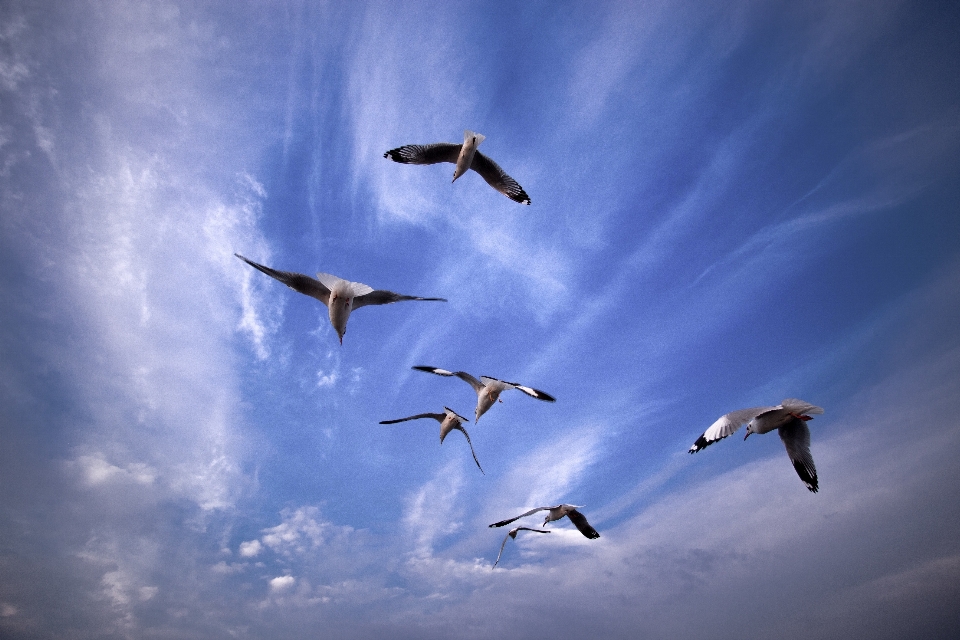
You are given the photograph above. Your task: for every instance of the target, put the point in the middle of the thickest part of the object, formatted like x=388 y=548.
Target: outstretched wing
x=436 y=416
x=463 y=375
x=513 y=534
x=534 y=393
x=467 y=436
x=727 y=425
x=297 y=281
x=796 y=438
x=580 y=522
x=800 y=407
x=425 y=153
x=498 y=178
x=381 y=296
x=522 y=515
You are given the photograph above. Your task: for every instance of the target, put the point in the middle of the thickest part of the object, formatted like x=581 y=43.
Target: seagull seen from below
x=464 y=156
x=341 y=296
x=488 y=389
x=513 y=534
x=789 y=418
x=557 y=512
x=449 y=420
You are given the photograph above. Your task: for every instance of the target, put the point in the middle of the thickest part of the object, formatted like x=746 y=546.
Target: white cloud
x=282 y=583
x=548 y=474
x=433 y=511
x=250 y=549
x=95 y=470
x=301 y=531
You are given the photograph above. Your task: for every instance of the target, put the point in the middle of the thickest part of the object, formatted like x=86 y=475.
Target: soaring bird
x=449 y=420
x=465 y=156
x=513 y=534
x=557 y=512
x=789 y=418
x=341 y=296
x=488 y=389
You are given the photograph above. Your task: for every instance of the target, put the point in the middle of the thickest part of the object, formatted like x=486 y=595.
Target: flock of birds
x=341 y=297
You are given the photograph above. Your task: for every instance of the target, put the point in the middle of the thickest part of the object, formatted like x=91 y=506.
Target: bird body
x=465 y=156
x=789 y=418
x=468 y=150
x=557 y=512
x=488 y=389
x=449 y=420
x=340 y=296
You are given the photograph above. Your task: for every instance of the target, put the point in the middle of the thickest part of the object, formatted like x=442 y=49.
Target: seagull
x=488 y=389
x=557 y=512
x=513 y=534
x=341 y=296
x=789 y=418
x=465 y=156
x=449 y=420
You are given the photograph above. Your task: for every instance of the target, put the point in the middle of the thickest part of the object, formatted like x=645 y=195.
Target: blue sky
x=732 y=203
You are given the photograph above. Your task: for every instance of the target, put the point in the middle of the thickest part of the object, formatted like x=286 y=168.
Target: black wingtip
x=808 y=479
x=698 y=445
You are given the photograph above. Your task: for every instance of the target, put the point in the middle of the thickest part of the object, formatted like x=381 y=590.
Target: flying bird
x=488 y=389
x=449 y=420
x=513 y=534
x=465 y=156
x=789 y=418
x=557 y=512
x=341 y=296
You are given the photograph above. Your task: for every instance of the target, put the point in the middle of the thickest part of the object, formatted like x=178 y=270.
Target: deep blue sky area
x=733 y=203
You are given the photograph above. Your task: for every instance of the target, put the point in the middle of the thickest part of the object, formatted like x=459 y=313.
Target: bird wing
x=522 y=515
x=463 y=375
x=580 y=522
x=513 y=534
x=467 y=436
x=503 y=544
x=796 y=438
x=498 y=178
x=800 y=407
x=425 y=153
x=436 y=416
x=534 y=393
x=297 y=281
x=727 y=425
x=382 y=296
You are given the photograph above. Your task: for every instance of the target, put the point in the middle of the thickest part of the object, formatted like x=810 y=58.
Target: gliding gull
x=557 y=512
x=789 y=418
x=488 y=389
x=341 y=296
x=449 y=420
x=513 y=534
x=465 y=156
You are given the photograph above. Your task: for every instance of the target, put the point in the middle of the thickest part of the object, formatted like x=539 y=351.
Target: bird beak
x=747 y=436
